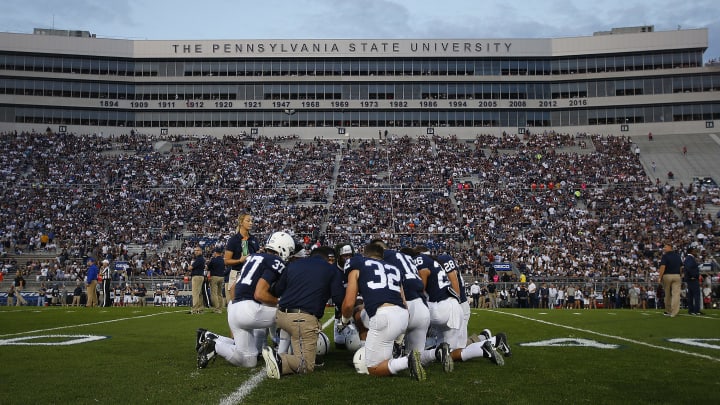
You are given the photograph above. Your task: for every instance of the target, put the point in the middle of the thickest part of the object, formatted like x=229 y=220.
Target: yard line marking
x=248 y=386
x=90 y=324
x=638 y=342
x=245 y=389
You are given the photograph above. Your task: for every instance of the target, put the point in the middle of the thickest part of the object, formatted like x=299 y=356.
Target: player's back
x=256 y=266
x=378 y=282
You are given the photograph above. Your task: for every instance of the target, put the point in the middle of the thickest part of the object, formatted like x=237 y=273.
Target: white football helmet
x=359 y=361
x=323 y=344
x=282 y=244
x=352 y=338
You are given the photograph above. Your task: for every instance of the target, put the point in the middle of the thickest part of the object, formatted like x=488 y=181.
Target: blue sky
x=357 y=19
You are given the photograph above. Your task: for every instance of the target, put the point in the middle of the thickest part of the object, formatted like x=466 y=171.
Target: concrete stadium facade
x=626 y=81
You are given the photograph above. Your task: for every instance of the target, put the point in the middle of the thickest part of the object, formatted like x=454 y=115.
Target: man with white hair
x=106 y=283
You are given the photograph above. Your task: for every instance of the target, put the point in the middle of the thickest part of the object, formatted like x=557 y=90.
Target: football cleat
x=206 y=352
x=493 y=354
x=199 y=338
x=502 y=345
x=397 y=350
x=442 y=354
x=417 y=372
x=486 y=333
x=273 y=363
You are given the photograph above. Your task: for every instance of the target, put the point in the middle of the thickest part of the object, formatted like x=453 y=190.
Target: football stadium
x=549 y=169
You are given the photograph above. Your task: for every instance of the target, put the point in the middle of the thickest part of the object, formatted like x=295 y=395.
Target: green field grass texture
x=146 y=355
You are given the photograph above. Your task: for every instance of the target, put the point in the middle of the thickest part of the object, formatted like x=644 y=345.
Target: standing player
x=158 y=296
x=380 y=284
x=171 y=299
x=252 y=310
x=117 y=300
x=127 y=295
x=304 y=289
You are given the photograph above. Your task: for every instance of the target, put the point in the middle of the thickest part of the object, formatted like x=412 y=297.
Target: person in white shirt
x=552 y=296
x=651 y=298
x=475 y=293
x=560 y=298
x=578 y=298
x=533 y=293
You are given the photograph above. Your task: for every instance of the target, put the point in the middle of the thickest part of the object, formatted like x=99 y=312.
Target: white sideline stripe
x=248 y=386
x=89 y=324
x=637 y=342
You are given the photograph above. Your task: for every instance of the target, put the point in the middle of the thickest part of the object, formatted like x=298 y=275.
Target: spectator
x=42 y=291
x=19 y=284
x=11 y=295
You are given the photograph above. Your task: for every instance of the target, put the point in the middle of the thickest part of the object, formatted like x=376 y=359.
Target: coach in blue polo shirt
x=91 y=282
x=669 y=272
x=304 y=288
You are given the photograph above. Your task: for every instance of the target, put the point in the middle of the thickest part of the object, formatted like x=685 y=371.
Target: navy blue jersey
x=258 y=265
x=449 y=265
x=216 y=266
x=411 y=281
x=197 y=268
x=308 y=283
x=692 y=268
x=241 y=247
x=672 y=262
x=438 y=281
x=379 y=282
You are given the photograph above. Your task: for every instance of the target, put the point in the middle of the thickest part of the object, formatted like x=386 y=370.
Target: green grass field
x=148 y=356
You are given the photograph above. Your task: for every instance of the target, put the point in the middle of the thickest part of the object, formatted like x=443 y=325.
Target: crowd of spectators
x=554 y=205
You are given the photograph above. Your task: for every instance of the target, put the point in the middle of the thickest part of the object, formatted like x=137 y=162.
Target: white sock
x=472 y=351
x=224 y=340
x=397 y=365
x=427 y=356
x=284 y=344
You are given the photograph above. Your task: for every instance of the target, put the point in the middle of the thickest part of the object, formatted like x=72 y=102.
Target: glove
x=344 y=322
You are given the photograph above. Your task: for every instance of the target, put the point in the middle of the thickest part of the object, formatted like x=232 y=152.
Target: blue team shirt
x=235 y=245
x=438 y=281
x=257 y=266
x=92 y=273
x=308 y=283
x=411 y=281
x=379 y=282
x=449 y=265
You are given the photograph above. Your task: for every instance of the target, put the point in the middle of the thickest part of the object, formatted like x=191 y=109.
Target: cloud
x=357 y=19
x=23 y=16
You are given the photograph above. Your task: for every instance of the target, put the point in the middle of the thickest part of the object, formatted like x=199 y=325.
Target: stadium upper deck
x=630 y=80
